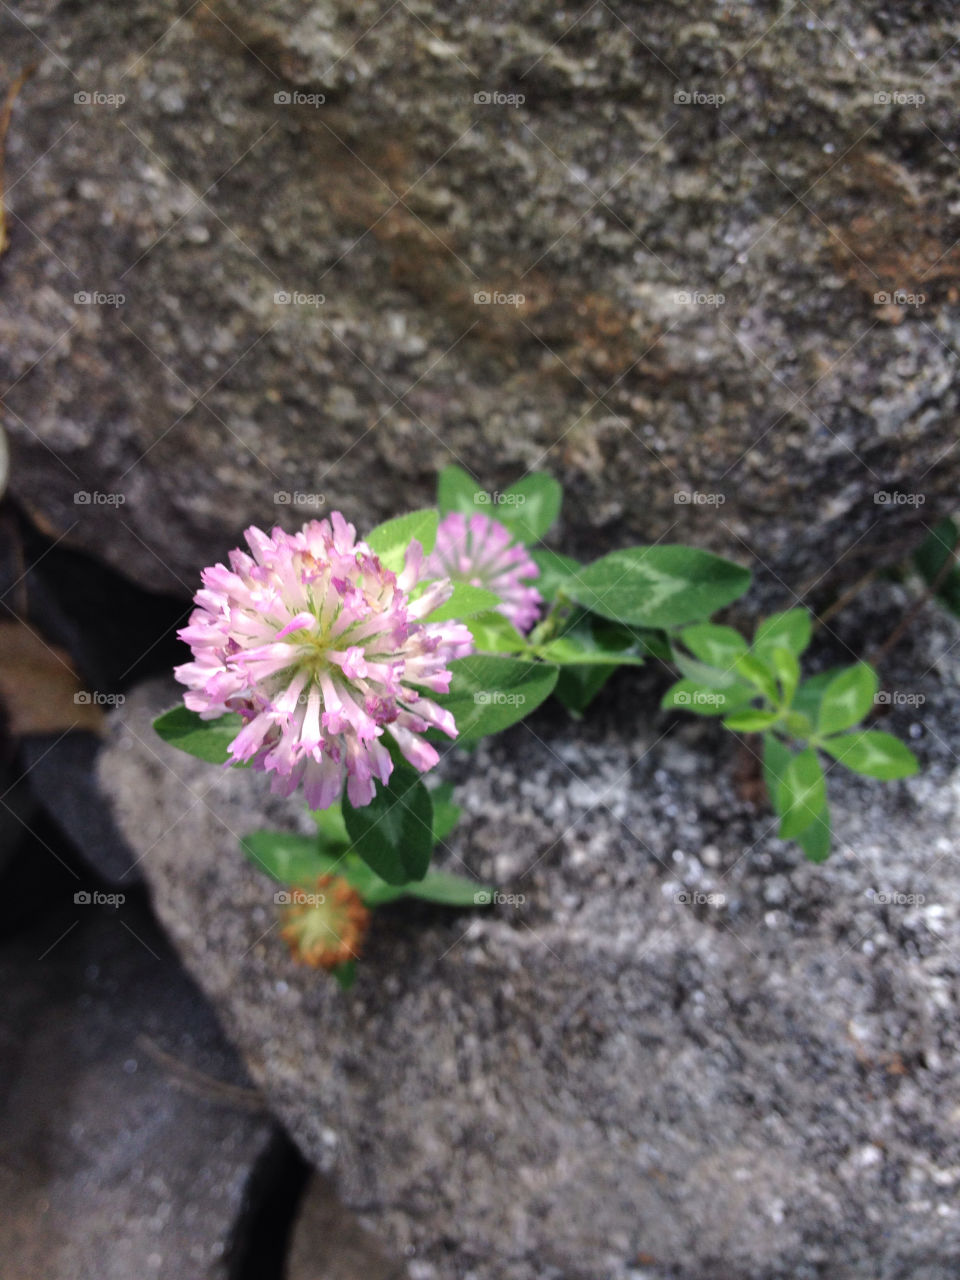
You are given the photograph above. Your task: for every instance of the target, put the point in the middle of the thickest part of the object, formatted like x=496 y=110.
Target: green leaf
x=449 y=890
x=751 y=668
x=493 y=633
x=206 y=739
x=716 y=646
x=787 y=670
x=465 y=602
x=687 y=695
x=457 y=491
x=489 y=693
x=394 y=833
x=577 y=686
x=529 y=507
x=331 y=826
x=701 y=673
x=814 y=840
x=751 y=720
x=289 y=858
x=659 y=586
x=802 y=793
x=446 y=814
x=809 y=695
x=847 y=698
x=776 y=759
x=555 y=570
x=391 y=539
x=874 y=753
x=791 y=630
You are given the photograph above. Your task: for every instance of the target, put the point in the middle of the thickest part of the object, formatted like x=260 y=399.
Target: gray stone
x=623 y=1075
x=61 y=772
x=131 y=1138
x=610 y=193
x=328 y=1244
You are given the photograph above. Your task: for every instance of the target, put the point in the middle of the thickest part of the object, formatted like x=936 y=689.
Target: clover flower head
x=326 y=927
x=322 y=650
x=482 y=552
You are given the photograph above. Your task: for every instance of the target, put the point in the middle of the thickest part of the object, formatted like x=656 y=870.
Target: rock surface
x=621 y=1075
x=618 y=188
x=130 y=1137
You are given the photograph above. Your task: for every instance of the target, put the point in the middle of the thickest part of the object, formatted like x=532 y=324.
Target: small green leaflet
x=493 y=633
x=658 y=586
x=792 y=630
x=465 y=602
x=457 y=491
x=847 y=699
x=391 y=539
x=802 y=793
x=714 y=645
x=529 y=507
x=206 y=739
x=873 y=753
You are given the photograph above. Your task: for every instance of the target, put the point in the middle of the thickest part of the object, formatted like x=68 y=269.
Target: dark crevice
x=262 y=1241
